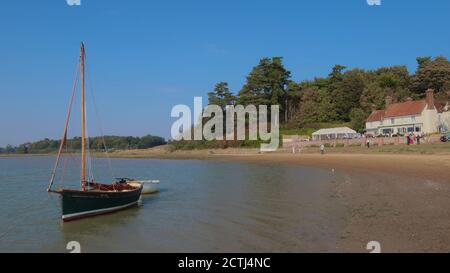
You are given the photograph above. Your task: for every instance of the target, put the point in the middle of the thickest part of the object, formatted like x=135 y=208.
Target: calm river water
x=203 y=206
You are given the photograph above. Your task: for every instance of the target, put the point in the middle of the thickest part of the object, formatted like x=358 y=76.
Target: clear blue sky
x=146 y=56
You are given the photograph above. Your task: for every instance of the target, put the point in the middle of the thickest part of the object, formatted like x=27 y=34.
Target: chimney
x=409 y=99
x=430 y=99
x=373 y=107
x=388 y=101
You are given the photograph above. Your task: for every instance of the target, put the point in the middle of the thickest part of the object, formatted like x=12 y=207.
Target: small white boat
x=149 y=186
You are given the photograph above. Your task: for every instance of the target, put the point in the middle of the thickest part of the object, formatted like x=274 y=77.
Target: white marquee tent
x=334 y=133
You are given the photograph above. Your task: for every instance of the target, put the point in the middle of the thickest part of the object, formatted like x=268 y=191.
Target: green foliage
x=149 y=141
x=95 y=144
x=358 y=119
x=343 y=97
x=214 y=144
x=310 y=128
x=304 y=131
x=221 y=95
x=309 y=110
x=266 y=84
x=346 y=93
x=10 y=149
x=433 y=74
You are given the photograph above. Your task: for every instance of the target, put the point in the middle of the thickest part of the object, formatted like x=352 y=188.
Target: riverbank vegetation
x=345 y=97
x=95 y=144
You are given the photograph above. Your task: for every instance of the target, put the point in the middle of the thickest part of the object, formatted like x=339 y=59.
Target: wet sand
x=435 y=167
x=401 y=201
x=403 y=213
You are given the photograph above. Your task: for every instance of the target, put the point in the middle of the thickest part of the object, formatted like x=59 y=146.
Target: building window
x=417 y=129
x=413 y=118
x=392 y=120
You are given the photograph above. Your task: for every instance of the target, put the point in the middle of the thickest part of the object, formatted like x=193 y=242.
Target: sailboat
x=92 y=198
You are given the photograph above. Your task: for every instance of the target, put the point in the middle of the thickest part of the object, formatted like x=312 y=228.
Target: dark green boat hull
x=81 y=204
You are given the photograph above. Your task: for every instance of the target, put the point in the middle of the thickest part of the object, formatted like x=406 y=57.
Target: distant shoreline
x=431 y=161
x=23 y=155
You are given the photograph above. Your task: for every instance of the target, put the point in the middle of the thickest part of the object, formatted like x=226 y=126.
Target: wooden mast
x=83 y=122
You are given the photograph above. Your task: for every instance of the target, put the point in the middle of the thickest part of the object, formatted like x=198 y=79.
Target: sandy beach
x=399 y=200
x=414 y=163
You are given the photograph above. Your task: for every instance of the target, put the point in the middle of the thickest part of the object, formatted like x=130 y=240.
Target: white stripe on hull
x=96 y=212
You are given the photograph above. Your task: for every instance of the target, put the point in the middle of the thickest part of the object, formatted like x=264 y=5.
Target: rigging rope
x=89 y=156
x=64 y=137
x=99 y=121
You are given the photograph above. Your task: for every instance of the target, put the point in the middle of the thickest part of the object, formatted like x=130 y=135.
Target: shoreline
x=396 y=200
x=431 y=167
x=417 y=165
x=399 y=200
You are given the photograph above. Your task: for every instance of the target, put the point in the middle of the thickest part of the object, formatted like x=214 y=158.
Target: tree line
x=344 y=96
x=95 y=144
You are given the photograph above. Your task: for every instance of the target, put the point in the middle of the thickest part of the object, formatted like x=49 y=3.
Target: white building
x=444 y=117
x=334 y=133
x=422 y=116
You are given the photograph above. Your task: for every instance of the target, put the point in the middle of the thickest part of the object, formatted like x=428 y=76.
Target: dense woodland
x=345 y=97
x=95 y=144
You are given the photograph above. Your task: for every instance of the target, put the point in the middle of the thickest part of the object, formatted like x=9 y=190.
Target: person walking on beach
x=368 y=143
x=322 y=149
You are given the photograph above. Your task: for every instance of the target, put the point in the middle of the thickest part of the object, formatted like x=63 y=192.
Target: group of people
x=412 y=138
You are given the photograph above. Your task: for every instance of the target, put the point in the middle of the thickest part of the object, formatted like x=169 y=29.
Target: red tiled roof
x=376 y=116
x=398 y=109
x=405 y=108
